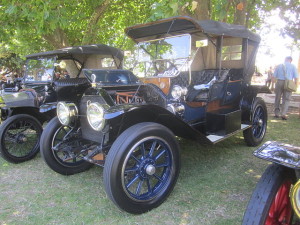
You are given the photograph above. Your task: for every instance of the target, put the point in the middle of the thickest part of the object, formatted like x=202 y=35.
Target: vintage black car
x=50 y=76
x=11 y=85
x=196 y=85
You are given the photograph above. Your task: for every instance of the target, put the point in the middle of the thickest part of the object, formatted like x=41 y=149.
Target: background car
x=275 y=199
x=24 y=112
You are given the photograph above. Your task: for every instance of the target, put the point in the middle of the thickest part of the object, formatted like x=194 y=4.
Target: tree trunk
x=240 y=12
x=88 y=37
x=201 y=12
x=57 y=39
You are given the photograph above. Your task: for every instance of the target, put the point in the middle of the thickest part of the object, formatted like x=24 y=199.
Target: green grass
x=214 y=187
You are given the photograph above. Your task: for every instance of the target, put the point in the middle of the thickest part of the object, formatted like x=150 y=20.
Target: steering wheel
x=170 y=68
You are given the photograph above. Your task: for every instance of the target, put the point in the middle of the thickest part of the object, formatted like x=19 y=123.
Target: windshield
x=38 y=70
x=163 y=57
x=111 y=77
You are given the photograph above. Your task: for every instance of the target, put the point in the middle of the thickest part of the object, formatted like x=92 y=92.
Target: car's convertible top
x=99 y=49
x=184 y=24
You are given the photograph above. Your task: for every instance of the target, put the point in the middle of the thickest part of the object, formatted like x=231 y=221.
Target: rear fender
x=249 y=96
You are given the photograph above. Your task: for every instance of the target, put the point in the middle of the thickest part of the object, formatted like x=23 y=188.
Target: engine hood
x=24 y=98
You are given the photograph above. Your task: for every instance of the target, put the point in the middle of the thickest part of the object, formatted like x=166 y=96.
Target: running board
x=216 y=138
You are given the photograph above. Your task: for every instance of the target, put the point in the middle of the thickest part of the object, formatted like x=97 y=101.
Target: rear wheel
x=256 y=133
x=142 y=167
x=20 y=138
x=270 y=203
x=61 y=161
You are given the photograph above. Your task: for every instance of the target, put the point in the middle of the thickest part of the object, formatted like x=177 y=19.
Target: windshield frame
x=154 y=59
x=39 y=58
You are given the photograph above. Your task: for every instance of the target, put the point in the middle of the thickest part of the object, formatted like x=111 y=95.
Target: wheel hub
x=260 y=122
x=21 y=138
x=150 y=170
x=147 y=168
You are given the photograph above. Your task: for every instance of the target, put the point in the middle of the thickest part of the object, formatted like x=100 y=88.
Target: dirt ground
x=294 y=106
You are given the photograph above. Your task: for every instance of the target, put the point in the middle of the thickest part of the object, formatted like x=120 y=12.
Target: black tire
x=136 y=176
x=20 y=138
x=53 y=133
x=259 y=117
x=276 y=179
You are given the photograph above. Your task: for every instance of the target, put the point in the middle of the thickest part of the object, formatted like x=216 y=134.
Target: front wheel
x=256 y=133
x=61 y=161
x=270 y=203
x=142 y=167
x=20 y=138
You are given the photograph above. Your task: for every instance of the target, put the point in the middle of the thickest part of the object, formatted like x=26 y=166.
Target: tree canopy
x=28 y=26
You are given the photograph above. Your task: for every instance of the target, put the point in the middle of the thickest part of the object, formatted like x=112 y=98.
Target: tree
x=31 y=26
x=28 y=26
x=10 y=62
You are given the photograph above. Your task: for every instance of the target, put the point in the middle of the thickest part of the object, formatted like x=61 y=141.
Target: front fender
x=152 y=113
x=47 y=107
x=121 y=117
x=20 y=99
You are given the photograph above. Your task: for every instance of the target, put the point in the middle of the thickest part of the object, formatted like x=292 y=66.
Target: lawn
x=214 y=187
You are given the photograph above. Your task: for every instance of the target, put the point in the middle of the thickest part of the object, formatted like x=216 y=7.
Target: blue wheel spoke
x=138 y=182
x=132 y=181
x=152 y=148
x=160 y=154
x=149 y=186
x=158 y=178
x=136 y=159
x=162 y=165
x=132 y=169
x=260 y=115
x=143 y=149
x=139 y=187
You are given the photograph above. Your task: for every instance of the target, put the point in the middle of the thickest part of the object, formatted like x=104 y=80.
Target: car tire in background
x=270 y=202
x=254 y=135
x=20 y=138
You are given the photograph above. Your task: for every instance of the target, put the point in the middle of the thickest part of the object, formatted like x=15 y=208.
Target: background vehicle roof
x=97 y=49
x=184 y=24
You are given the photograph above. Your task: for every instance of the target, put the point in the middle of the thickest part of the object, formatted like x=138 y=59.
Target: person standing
x=270 y=77
x=282 y=72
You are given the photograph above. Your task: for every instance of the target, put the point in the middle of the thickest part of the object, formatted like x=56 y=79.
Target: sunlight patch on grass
x=275 y=121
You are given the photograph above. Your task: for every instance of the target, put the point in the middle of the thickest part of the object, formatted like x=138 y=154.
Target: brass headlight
x=66 y=112
x=95 y=116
